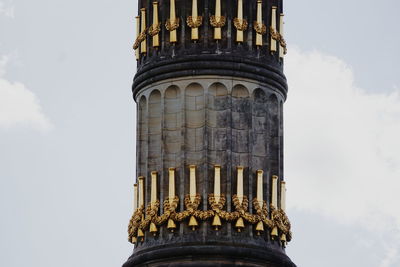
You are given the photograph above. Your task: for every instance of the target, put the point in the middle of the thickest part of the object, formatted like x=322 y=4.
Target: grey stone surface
x=217 y=120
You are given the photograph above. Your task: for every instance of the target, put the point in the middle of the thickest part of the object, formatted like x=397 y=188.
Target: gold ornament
x=172 y=25
x=259 y=227
x=140 y=235
x=260 y=28
x=154 y=29
x=134 y=223
x=240 y=24
x=283 y=239
x=171 y=225
x=139 y=39
x=217 y=22
x=148 y=219
x=194 y=23
x=193 y=223
x=282 y=42
x=274 y=34
x=239 y=224
x=216 y=222
x=153 y=229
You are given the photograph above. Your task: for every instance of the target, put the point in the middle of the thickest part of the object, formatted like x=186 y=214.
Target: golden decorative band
x=272 y=218
x=143 y=218
x=217 y=21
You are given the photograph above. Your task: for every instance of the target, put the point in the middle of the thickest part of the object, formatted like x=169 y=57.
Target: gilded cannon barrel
x=210 y=91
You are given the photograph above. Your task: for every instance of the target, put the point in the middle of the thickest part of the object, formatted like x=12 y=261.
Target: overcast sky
x=67 y=132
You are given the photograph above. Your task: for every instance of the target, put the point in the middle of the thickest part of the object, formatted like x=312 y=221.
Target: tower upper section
x=241 y=38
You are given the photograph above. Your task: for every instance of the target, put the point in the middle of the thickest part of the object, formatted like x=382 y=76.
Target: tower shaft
x=210 y=91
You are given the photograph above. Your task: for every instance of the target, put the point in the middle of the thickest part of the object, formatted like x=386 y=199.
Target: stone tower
x=209 y=90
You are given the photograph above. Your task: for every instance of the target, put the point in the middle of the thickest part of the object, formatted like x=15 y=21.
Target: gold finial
x=260 y=184
x=171 y=185
x=274 y=34
x=274 y=198
x=240 y=23
x=283 y=195
x=192 y=184
x=239 y=188
x=172 y=23
x=136 y=44
x=282 y=43
x=217 y=21
x=194 y=21
x=155 y=28
x=274 y=203
x=217 y=182
x=141 y=191
x=259 y=27
x=143 y=47
x=283 y=208
x=135 y=197
x=153 y=193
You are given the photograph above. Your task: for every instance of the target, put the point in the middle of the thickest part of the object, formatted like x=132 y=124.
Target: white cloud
x=342 y=144
x=18 y=105
x=7 y=11
x=391 y=257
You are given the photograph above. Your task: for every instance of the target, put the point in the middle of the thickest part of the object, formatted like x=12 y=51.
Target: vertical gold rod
x=274 y=202
x=273 y=28
x=192 y=185
x=283 y=208
x=217 y=31
x=239 y=34
x=217 y=182
x=259 y=38
x=171 y=185
x=137 y=51
x=156 y=38
x=260 y=183
x=283 y=196
x=135 y=197
x=153 y=195
x=143 y=48
x=141 y=191
x=240 y=183
x=274 y=198
x=281 y=31
x=172 y=19
x=195 y=31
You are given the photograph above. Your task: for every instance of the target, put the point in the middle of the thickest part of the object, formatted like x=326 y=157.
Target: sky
x=67 y=132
